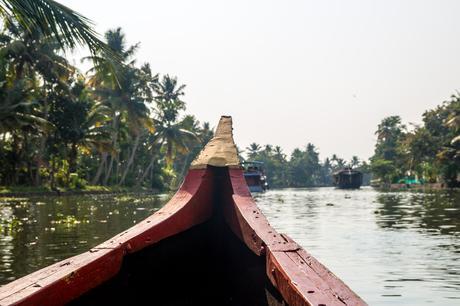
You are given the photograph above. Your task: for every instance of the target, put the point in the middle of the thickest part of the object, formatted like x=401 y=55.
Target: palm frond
x=54 y=19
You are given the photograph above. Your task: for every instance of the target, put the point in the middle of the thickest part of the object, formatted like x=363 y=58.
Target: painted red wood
x=70 y=278
x=299 y=277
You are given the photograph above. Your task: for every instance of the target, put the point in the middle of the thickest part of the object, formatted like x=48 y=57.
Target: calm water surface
x=392 y=248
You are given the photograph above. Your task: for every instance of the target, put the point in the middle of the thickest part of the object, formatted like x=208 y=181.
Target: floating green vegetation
x=11 y=199
x=22 y=189
x=68 y=220
x=9 y=226
x=125 y=198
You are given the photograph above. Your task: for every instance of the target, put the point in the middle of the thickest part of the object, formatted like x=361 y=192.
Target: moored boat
x=255 y=176
x=348 y=178
x=209 y=245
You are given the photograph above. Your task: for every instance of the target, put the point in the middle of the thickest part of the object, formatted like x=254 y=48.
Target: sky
x=293 y=72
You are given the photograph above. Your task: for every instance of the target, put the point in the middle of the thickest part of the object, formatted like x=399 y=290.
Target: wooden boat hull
x=209 y=245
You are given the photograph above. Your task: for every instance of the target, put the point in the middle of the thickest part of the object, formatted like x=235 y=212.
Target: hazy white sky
x=293 y=72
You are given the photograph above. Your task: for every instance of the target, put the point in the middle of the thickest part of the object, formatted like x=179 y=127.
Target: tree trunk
x=114 y=144
x=52 y=182
x=16 y=158
x=109 y=171
x=72 y=161
x=146 y=171
x=144 y=174
x=73 y=158
x=131 y=158
x=99 y=169
x=181 y=176
x=42 y=147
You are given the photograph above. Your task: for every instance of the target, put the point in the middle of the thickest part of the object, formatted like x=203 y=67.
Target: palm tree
x=171 y=132
x=168 y=98
x=32 y=60
x=140 y=84
x=68 y=27
x=268 y=150
x=337 y=162
x=175 y=135
x=80 y=123
x=354 y=161
x=206 y=133
x=253 y=150
x=29 y=51
x=175 y=138
x=279 y=155
x=125 y=96
x=16 y=110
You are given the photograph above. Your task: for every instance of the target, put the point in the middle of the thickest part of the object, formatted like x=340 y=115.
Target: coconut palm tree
x=173 y=135
x=354 y=162
x=80 y=123
x=279 y=155
x=125 y=96
x=18 y=111
x=29 y=52
x=168 y=98
x=32 y=62
x=141 y=86
x=68 y=27
x=253 y=150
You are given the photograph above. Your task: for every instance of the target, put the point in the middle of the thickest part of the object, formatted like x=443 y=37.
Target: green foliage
x=431 y=152
x=302 y=169
x=386 y=163
x=62 y=129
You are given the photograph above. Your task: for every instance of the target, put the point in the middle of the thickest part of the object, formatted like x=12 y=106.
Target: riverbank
x=414 y=187
x=17 y=191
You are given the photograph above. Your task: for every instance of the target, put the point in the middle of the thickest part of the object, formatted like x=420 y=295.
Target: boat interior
x=204 y=265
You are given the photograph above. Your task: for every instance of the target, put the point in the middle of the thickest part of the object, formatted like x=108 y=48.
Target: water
x=38 y=231
x=392 y=248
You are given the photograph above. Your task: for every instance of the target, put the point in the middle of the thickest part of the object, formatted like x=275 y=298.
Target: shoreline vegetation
x=414 y=156
x=413 y=187
x=425 y=156
x=116 y=125
x=121 y=125
x=20 y=191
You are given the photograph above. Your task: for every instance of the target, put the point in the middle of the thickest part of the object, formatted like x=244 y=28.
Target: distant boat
x=255 y=176
x=209 y=245
x=348 y=178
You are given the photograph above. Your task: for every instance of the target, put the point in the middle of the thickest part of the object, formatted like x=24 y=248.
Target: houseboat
x=255 y=176
x=348 y=178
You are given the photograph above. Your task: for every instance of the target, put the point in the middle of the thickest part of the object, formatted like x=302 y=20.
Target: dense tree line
x=122 y=124
x=117 y=124
x=302 y=169
x=429 y=152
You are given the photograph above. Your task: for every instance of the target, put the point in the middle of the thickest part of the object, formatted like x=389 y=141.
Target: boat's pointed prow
x=221 y=149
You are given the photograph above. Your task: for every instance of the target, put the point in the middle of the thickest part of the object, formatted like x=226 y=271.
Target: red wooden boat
x=209 y=245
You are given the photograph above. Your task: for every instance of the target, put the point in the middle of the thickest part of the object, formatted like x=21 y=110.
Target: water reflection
x=35 y=232
x=392 y=248
x=434 y=212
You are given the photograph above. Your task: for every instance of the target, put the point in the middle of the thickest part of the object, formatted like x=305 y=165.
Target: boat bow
x=214 y=185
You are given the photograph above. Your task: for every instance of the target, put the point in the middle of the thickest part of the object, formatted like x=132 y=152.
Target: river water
x=392 y=248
